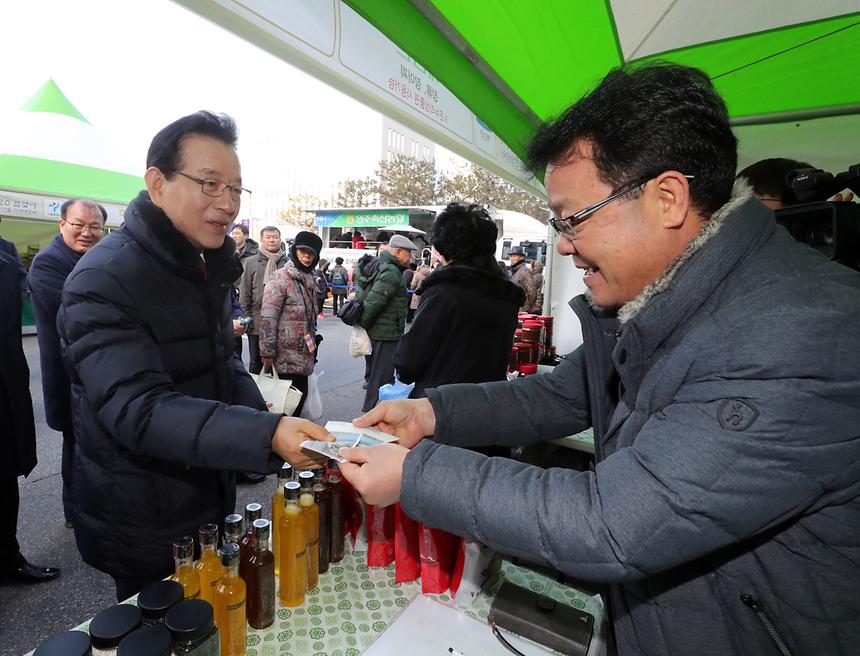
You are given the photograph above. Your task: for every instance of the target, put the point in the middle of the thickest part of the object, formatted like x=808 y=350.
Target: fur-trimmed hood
x=741 y=193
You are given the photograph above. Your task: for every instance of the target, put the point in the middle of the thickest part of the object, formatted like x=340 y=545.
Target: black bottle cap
x=233 y=527
x=157 y=598
x=252 y=511
x=333 y=466
x=113 y=624
x=319 y=475
x=190 y=620
x=229 y=553
x=148 y=641
x=69 y=643
x=286 y=472
x=291 y=490
x=306 y=479
x=261 y=530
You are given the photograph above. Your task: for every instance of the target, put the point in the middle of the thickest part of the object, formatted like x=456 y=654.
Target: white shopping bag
x=359 y=342
x=280 y=395
x=312 y=409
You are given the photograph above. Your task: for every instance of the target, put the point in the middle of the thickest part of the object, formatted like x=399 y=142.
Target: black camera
x=832 y=228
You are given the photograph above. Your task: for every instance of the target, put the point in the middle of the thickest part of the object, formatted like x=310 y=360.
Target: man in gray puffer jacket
x=720 y=371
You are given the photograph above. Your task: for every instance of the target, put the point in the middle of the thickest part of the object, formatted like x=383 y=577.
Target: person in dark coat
x=245 y=247
x=464 y=327
x=163 y=411
x=82 y=224
x=17 y=429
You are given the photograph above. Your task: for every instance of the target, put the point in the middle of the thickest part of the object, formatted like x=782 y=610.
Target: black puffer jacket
x=157 y=395
x=463 y=330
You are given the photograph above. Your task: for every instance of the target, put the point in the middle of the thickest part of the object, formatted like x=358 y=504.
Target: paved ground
x=29 y=614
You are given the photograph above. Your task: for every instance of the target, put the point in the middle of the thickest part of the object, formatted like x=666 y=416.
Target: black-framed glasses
x=214 y=188
x=568 y=224
x=95 y=229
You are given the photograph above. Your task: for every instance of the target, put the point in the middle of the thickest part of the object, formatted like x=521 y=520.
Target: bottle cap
x=333 y=466
x=261 y=530
x=229 y=553
x=306 y=478
x=252 y=511
x=291 y=490
x=148 y=641
x=113 y=624
x=190 y=620
x=183 y=547
x=285 y=473
x=68 y=643
x=157 y=598
x=232 y=527
x=209 y=534
x=319 y=475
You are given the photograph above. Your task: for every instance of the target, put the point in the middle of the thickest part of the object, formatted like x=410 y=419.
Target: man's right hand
x=290 y=434
x=409 y=419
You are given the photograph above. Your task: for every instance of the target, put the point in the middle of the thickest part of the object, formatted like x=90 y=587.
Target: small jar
x=527 y=369
x=547 y=322
x=533 y=332
x=513 y=359
x=149 y=641
x=192 y=628
x=69 y=643
x=110 y=626
x=528 y=353
x=156 y=599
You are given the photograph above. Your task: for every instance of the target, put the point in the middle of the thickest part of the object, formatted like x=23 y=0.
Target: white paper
x=344 y=430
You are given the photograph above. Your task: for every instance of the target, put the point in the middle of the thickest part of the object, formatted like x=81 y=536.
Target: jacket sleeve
x=118 y=365
x=738 y=451
x=509 y=413
x=419 y=346
x=245 y=294
x=275 y=296
x=378 y=297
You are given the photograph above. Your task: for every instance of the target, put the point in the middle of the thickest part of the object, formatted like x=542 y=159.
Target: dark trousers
x=9 y=548
x=131 y=585
x=301 y=384
x=381 y=371
x=66 y=469
x=237 y=347
x=255 y=364
x=367 y=360
x=336 y=301
x=320 y=303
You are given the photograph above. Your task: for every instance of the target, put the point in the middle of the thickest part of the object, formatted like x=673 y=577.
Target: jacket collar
x=487 y=284
x=389 y=257
x=155 y=233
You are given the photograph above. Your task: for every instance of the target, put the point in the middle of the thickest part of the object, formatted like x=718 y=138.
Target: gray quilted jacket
x=725 y=503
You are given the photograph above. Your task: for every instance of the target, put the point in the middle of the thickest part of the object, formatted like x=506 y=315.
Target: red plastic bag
x=407 y=560
x=380 y=535
x=438 y=550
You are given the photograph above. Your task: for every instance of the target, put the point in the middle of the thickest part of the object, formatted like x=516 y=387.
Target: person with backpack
x=339 y=284
x=321 y=283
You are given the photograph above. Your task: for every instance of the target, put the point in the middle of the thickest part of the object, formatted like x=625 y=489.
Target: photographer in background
x=770 y=183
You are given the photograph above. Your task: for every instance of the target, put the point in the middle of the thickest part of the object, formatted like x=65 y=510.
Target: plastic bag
x=395 y=390
x=313 y=409
x=380 y=535
x=407 y=561
x=476 y=569
x=439 y=551
x=359 y=342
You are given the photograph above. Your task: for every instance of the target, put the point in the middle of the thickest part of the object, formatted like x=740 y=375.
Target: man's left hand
x=238 y=328
x=288 y=438
x=376 y=472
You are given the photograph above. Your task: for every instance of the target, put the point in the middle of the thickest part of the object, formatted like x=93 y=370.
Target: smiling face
x=82 y=227
x=625 y=245
x=202 y=219
x=239 y=237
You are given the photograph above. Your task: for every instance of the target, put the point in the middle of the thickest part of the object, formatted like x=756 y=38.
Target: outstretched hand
x=290 y=434
x=376 y=472
x=408 y=419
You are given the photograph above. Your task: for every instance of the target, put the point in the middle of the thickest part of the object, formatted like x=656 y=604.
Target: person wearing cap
x=380 y=280
x=522 y=276
x=288 y=318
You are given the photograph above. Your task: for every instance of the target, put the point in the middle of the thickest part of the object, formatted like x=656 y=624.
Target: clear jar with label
x=192 y=628
x=110 y=626
x=68 y=643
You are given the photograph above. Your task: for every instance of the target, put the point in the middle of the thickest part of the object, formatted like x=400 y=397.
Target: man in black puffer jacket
x=162 y=409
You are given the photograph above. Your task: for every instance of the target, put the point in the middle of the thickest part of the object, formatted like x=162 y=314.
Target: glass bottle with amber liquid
x=232 y=528
x=260 y=578
x=229 y=603
x=293 y=544
x=208 y=566
x=285 y=475
x=311 y=512
x=338 y=513
x=322 y=496
x=183 y=559
x=247 y=545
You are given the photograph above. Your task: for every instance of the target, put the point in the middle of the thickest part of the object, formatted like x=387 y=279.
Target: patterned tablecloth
x=354 y=604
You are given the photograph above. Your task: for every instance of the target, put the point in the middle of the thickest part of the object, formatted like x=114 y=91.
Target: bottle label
x=300 y=554
x=237 y=606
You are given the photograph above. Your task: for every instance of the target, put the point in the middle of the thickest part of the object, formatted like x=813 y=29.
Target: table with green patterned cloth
x=583 y=441
x=353 y=604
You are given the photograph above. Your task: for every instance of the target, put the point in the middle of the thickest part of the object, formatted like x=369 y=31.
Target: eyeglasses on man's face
x=214 y=188
x=96 y=229
x=568 y=224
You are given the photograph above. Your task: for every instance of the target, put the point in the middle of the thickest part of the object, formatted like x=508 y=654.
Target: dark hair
x=270 y=229
x=64 y=208
x=644 y=120
x=383 y=237
x=241 y=227
x=165 y=149
x=462 y=232
x=338 y=260
x=768 y=178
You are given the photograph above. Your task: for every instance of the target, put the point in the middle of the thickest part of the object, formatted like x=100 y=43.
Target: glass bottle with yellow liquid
x=293 y=547
x=229 y=603
x=208 y=566
x=311 y=511
x=183 y=555
x=285 y=475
